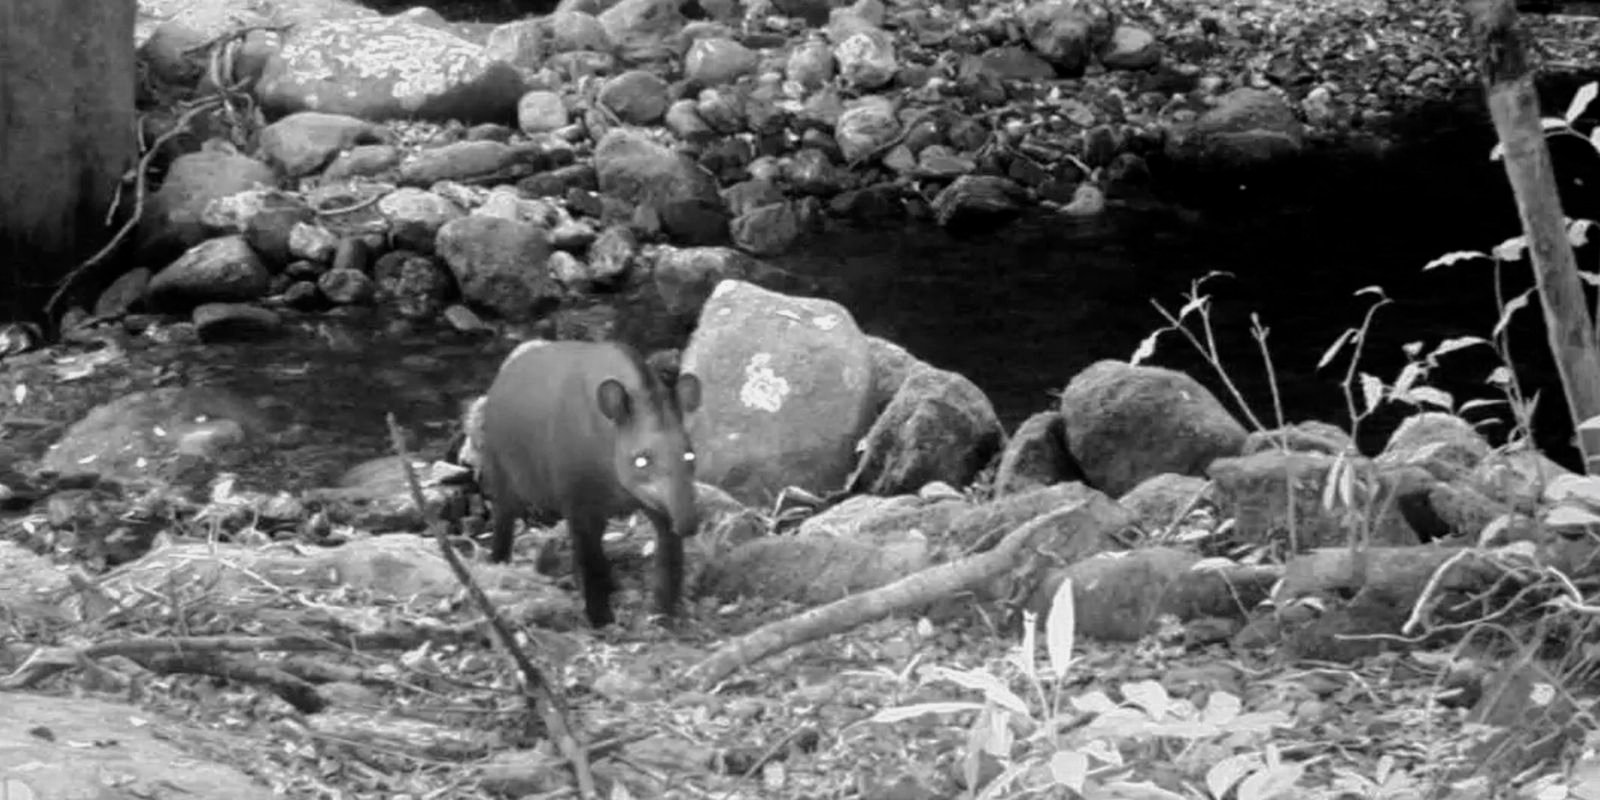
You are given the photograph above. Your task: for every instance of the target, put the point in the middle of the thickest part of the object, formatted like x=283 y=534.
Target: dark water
x=338 y=380
x=1021 y=308
x=1020 y=312
x=1021 y=319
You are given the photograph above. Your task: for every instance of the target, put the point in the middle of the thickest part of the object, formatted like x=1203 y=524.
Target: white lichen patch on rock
x=763 y=388
x=387 y=67
x=421 y=62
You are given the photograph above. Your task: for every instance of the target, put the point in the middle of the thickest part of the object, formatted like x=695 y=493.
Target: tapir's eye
x=641 y=461
x=689 y=457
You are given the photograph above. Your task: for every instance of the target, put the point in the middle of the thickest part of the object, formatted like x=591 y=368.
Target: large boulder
x=1068 y=33
x=1035 y=455
x=500 y=264
x=1248 y=127
x=387 y=67
x=644 y=30
x=47 y=742
x=683 y=195
x=303 y=143
x=788 y=391
x=172 y=218
x=216 y=270
x=939 y=427
x=141 y=435
x=1126 y=423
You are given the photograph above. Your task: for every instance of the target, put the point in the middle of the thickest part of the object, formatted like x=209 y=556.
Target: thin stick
x=543 y=701
x=141 y=183
x=1514 y=107
x=141 y=189
x=236 y=33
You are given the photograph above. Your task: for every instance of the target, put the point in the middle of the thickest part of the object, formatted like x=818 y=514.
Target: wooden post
x=1503 y=63
x=67 y=77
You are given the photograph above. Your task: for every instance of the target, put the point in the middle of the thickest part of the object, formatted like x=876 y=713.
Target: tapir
x=587 y=431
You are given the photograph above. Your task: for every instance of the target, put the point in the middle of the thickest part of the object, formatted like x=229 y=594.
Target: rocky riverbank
x=307 y=259
x=592 y=151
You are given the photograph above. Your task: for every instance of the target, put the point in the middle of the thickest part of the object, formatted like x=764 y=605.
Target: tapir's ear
x=688 y=393
x=614 y=401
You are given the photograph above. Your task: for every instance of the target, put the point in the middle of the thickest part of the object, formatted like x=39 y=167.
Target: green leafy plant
x=1096 y=743
x=1352 y=488
x=1199 y=305
x=1093 y=744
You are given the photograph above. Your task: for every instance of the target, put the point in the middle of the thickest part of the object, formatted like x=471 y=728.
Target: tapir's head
x=654 y=458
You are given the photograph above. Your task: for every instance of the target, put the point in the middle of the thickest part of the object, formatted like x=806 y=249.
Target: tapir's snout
x=683 y=509
x=673 y=497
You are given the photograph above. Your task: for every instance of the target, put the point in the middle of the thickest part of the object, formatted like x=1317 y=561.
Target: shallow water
x=339 y=380
x=1021 y=308
x=1018 y=312
x=1022 y=314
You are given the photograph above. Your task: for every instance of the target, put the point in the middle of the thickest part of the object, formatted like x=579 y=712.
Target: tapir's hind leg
x=505 y=531
x=587 y=529
x=504 y=509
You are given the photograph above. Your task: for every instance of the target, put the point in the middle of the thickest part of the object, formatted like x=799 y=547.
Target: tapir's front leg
x=587 y=531
x=669 y=567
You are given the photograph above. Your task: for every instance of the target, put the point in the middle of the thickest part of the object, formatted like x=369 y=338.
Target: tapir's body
x=587 y=431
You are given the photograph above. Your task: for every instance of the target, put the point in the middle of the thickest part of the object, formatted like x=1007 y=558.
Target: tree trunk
x=67 y=76
x=1514 y=106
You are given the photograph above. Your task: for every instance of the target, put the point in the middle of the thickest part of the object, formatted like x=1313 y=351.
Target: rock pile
x=593 y=150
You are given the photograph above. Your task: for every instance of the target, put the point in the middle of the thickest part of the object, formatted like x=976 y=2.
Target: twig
x=905 y=130
x=1260 y=332
x=294 y=690
x=350 y=209
x=219 y=100
x=1425 y=598
x=1208 y=350
x=1514 y=107
x=141 y=189
x=1166 y=531
x=543 y=701
x=45 y=662
x=1359 y=343
x=237 y=33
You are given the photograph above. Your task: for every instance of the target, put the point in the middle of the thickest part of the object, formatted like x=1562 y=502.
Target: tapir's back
x=545 y=440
